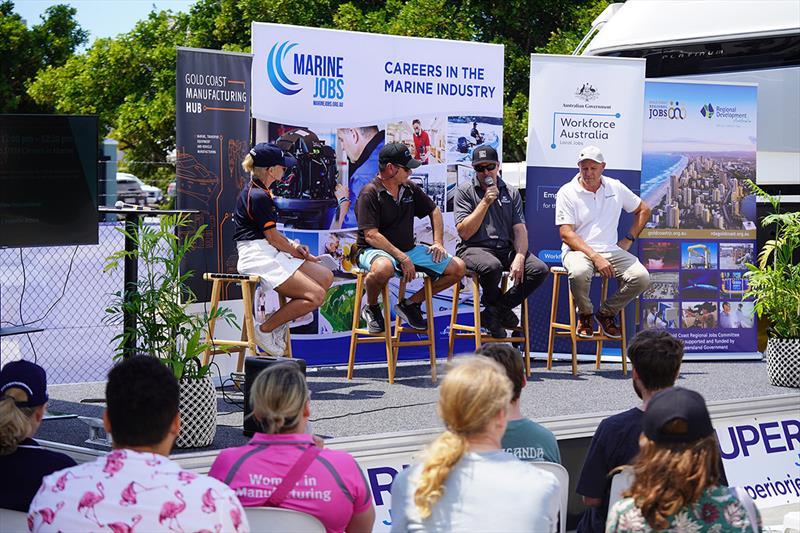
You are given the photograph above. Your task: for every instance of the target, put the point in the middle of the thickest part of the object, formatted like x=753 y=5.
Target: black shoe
x=373 y=317
x=411 y=313
x=491 y=321
x=508 y=318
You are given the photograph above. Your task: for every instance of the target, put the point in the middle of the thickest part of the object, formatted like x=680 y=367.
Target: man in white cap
x=587 y=214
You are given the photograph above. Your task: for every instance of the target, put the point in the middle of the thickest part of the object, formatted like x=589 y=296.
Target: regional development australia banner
x=576 y=101
x=333 y=99
x=699 y=150
x=212 y=137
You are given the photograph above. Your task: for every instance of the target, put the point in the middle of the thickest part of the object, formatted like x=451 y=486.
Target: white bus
x=754 y=41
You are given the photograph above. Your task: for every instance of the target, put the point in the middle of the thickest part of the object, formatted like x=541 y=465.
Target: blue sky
x=101 y=18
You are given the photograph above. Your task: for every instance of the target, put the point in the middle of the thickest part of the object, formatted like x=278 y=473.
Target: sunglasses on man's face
x=484 y=168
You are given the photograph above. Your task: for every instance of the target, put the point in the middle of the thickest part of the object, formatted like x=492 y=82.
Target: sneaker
x=274 y=342
x=412 y=313
x=371 y=314
x=609 y=326
x=585 y=327
x=492 y=322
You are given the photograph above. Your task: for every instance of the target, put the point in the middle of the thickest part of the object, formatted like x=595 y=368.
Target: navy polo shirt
x=496 y=230
x=394 y=219
x=255 y=212
x=23 y=471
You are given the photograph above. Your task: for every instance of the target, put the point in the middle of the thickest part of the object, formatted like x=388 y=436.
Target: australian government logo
x=287 y=66
x=587 y=92
x=666 y=110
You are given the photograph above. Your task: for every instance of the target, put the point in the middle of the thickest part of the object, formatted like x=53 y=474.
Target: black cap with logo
x=397 y=154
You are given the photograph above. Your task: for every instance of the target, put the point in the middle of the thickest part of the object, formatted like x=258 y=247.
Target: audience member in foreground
x=23 y=400
x=675 y=474
x=467 y=482
x=656 y=360
x=282 y=467
x=137 y=486
x=524 y=438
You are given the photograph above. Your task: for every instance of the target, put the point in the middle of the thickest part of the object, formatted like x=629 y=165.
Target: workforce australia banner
x=322 y=97
x=212 y=125
x=699 y=150
x=576 y=101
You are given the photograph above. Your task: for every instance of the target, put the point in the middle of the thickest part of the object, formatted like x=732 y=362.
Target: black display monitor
x=48 y=180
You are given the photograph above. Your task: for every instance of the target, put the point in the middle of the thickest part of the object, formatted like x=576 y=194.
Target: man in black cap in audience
x=385 y=210
x=491 y=223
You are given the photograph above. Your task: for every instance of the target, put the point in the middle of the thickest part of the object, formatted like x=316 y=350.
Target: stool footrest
x=210 y=276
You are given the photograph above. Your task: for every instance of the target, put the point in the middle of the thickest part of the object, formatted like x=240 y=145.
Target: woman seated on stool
x=282 y=467
x=467 y=482
x=23 y=400
x=284 y=266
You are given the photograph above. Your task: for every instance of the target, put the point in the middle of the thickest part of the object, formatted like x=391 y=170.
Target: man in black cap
x=385 y=210
x=491 y=224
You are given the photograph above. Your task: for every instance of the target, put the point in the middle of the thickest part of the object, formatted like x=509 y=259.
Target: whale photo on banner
x=318 y=95
x=577 y=101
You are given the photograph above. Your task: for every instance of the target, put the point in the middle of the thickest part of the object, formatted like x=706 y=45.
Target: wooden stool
x=391 y=340
x=569 y=330
x=474 y=332
x=249 y=284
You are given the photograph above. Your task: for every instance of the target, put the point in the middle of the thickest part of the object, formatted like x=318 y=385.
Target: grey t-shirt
x=529 y=441
x=496 y=229
x=490 y=491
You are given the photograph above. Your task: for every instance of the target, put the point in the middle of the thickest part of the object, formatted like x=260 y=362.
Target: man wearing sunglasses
x=385 y=210
x=491 y=223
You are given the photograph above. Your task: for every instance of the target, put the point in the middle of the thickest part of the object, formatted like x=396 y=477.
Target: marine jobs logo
x=663 y=109
x=326 y=71
x=707 y=111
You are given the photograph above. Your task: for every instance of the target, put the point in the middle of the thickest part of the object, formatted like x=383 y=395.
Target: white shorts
x=264 y=260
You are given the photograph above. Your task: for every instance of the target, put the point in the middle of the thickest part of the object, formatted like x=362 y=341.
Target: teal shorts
x=423 y=261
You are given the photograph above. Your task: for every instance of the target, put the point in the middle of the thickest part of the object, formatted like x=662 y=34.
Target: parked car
x=129 y=189
x=153 y=195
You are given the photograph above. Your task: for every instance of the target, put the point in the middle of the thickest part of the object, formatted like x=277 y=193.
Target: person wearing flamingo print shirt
x=136 y=487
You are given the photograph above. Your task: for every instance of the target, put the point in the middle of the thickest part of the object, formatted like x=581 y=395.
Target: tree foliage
x=129 y=81
x=23 y=51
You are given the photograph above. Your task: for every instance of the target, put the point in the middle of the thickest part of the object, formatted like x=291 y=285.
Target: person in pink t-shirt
x=282 y=467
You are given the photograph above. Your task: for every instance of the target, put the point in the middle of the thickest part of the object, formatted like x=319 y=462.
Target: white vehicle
x=726 y=41
x=153 y=194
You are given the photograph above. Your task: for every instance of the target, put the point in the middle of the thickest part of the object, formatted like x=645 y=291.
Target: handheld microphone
x=489 y=181
x=122 y=205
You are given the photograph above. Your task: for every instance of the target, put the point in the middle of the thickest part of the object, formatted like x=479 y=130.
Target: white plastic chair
x=621 y=481
x=563 y=479
x=13 y=521
x=277 y=520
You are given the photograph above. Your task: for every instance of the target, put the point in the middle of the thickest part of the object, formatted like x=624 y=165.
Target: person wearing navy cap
x=23 y=400
x=284 y=266
x=676 y=473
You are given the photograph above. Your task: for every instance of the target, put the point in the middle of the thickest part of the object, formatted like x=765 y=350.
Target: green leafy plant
x=774 y=283
x=164 y=327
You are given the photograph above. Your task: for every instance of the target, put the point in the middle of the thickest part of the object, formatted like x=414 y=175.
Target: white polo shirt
x=595 y=215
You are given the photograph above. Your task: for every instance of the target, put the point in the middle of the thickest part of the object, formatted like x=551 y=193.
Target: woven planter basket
x=198 y=407
x=783 y=362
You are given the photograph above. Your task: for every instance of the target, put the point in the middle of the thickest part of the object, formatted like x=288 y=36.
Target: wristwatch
x=630 y=237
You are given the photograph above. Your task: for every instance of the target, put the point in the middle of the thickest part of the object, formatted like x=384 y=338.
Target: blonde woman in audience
x=467 y=483
x=282 y=466
x=675 y=486
x=23 y=401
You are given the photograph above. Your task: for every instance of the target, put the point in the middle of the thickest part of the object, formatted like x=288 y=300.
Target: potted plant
x=774 y=285
x=164 y=328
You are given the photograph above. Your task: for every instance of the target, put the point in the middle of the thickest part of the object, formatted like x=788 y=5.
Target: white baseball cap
x=591 y=152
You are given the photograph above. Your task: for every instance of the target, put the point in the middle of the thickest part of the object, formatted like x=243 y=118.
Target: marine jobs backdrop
x=333 y=99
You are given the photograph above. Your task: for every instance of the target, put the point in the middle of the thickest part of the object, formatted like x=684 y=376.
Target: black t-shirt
x=23 y=471
x=394 y=219
x=497 y=228
x=255 y=212
x=615 y=443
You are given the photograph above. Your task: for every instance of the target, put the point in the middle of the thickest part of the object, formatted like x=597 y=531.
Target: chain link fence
x=64 y=291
